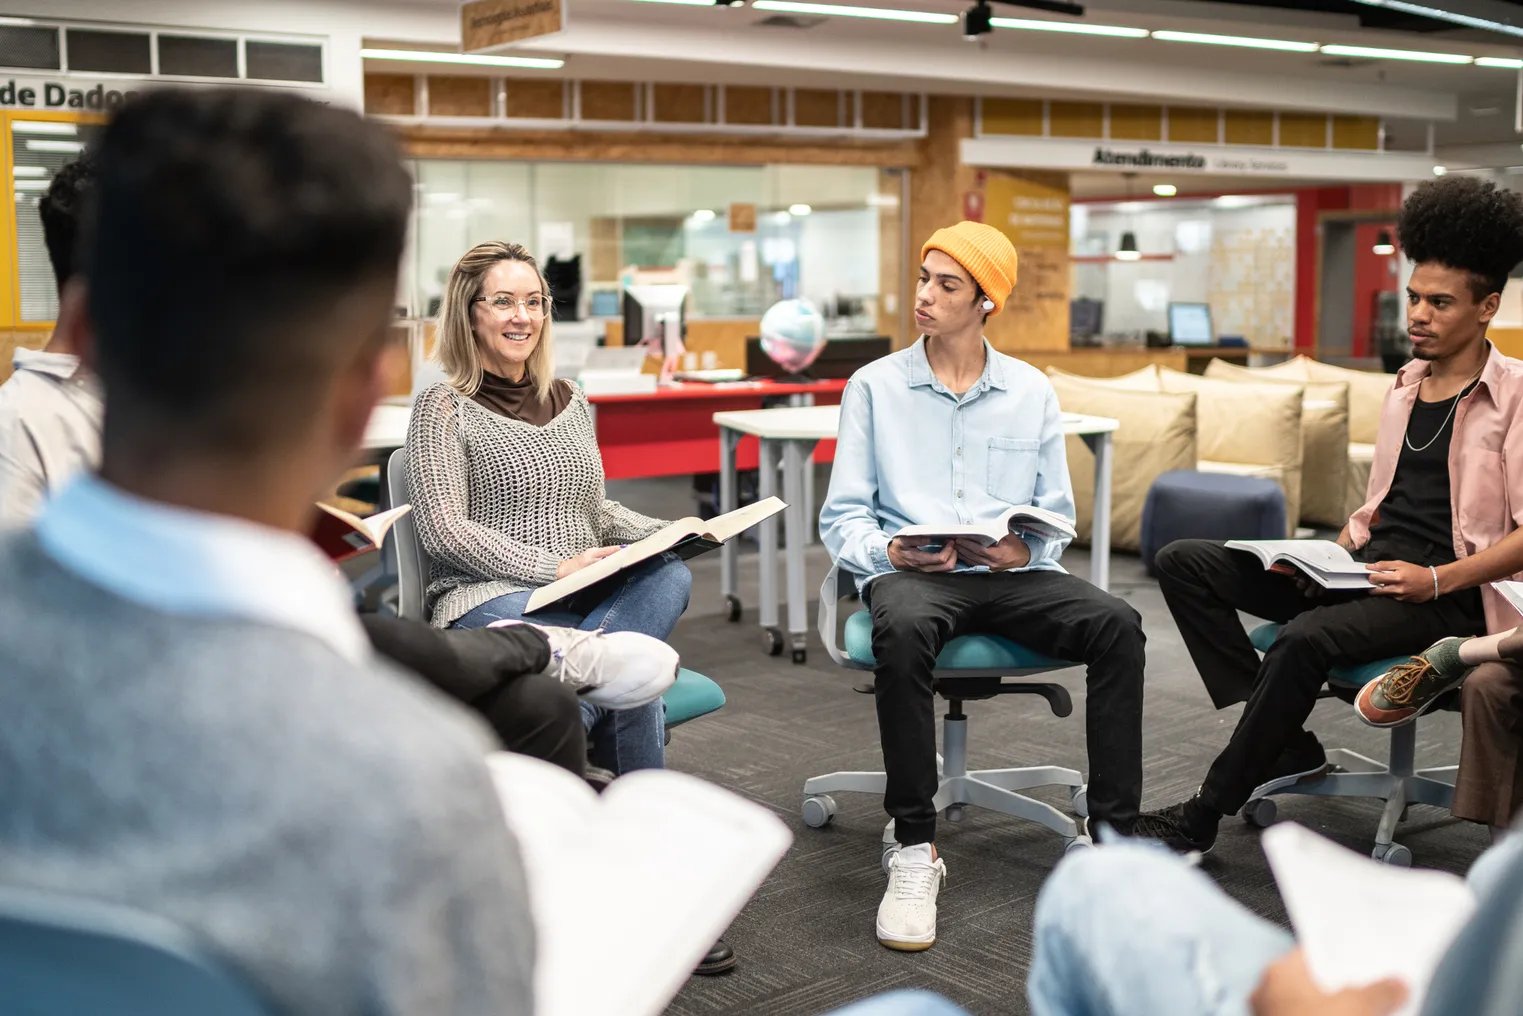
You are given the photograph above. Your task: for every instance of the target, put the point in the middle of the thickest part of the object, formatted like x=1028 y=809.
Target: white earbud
x=988 y=304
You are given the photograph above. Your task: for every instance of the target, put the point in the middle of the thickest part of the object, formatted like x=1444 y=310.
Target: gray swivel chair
x=970 y=667
x=65 y=956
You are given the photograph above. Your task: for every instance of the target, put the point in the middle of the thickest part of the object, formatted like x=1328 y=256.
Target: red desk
x=671 y=431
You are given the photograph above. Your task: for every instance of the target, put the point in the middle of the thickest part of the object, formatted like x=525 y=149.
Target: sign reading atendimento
x=487 y=24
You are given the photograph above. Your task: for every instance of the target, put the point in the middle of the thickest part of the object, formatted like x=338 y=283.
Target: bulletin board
x=1034 y=215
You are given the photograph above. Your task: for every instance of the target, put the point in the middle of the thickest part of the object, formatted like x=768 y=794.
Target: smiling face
x=508 y=316
x=1443 y=316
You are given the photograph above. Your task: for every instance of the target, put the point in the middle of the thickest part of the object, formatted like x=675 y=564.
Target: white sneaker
x=907 y=915
x=615 y=670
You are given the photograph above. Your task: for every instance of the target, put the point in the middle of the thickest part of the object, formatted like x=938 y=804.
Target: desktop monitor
x=1190 y=324
x=653 y=315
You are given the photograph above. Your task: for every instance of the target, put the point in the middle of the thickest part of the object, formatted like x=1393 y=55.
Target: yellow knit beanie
x=984 y=251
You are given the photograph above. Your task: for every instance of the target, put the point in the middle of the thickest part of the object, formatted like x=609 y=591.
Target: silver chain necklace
x=1452 y=406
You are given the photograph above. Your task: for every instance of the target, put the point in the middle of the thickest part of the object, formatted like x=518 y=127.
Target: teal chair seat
x=968 y=652
x=1354 y=677
x=691 y=696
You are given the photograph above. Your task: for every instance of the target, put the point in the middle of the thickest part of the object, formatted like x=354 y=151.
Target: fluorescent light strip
x=685 y=3
x=1071 y=27
x=1504 y=62
x=43 y=127
x=837 y=10
x=26 y=185
x=1452 y=17
x=55 y=146
x=1285 y=45
x=1397 y=54
x=28 y=171
x=474 y=59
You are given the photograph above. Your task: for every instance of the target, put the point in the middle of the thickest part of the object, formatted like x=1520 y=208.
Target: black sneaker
x=1184 y=827
x=1303 y=758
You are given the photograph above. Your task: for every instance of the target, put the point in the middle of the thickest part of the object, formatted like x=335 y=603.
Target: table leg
x=729 y=497
x=766 y=486
x=1100 y=539
x=796 y=459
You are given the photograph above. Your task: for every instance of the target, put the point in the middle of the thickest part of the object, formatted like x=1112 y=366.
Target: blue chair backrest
x=402 y=544
x=64 y=956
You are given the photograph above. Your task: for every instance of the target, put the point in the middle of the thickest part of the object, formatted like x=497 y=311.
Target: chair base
x=996 y=790
x=1397 y=783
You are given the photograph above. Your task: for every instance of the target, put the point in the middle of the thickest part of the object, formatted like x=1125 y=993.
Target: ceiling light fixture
x=1128 y=251
x=29 y=171
x=799 y=209
x=685 y=3
x=26 y=185
x=1285 y=45
x=48 y=145
x=1383 y=245
x=704 y=215
x=1503 y=62
x=473 y=59
x=842 y=11
x=1074 y=28
x=44 y=127
x=1165 y=190
x=1453 y=17
x=1396 y=54
x=975 y=21
x=1440 y=170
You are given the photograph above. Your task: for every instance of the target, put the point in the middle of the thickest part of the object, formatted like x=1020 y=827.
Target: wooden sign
x=742 y=217
x=1034 y=215
x=488 y=24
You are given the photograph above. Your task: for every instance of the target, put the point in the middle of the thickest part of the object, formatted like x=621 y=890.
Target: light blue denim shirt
x=911 y=453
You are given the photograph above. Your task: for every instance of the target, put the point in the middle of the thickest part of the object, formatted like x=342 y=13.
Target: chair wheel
x=732 y=607
x=1080 y=799
x=954 y=813
x=772 y=642
x=1260 y=813
x=1393 y=854
x=800 y=656
x=819 y=810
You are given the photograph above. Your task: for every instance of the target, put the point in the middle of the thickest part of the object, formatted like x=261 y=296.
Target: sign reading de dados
x=60 y=95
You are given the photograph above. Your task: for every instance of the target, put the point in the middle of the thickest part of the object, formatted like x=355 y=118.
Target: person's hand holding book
x=1287 y=989
x=582 y=560
x=1410 y=583
x=905 y=555
x=1010 y=552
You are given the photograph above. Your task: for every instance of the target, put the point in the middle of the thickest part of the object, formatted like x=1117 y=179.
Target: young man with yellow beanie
x=949 y=431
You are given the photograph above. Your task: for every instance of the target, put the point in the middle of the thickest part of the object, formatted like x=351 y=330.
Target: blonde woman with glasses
x=507 y=487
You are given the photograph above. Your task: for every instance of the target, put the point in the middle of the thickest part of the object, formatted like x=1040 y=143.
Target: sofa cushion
x=1361 y=461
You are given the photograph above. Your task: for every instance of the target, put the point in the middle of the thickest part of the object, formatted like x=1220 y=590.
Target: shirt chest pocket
x=1012 y=468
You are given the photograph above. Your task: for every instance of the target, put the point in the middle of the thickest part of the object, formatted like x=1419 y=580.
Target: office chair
x=1396 y=782
x=970 y=667
x=65 y=956
x=692 y=695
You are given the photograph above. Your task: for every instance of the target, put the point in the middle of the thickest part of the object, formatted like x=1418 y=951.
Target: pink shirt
x=1485 y=451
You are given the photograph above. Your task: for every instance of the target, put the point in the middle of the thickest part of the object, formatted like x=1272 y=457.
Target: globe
x=792 y=334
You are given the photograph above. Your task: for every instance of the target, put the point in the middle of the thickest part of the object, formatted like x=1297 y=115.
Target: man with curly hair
x=1440 y=523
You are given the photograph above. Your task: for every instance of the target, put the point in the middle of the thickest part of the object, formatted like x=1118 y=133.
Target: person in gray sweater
x=196 y=724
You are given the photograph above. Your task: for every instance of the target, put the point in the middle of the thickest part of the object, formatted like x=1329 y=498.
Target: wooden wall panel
x=1361 y=132
x=449 y=95
x=1012 y=116
x=537 y=99
x=389 y=95
x=679 y=103
x=1248 y=127
x=1303 y=130
x=1075 y=119
x=608 y=100
x=892 y=250
x=1192 y=124
x=604 y=255
x=11 y=341
x=814 y=107
x=1136 y=123
x=883 y=110
x=746 y=105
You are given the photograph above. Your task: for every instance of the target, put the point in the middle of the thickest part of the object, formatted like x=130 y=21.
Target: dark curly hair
x=1466 y=223
x=61 y=209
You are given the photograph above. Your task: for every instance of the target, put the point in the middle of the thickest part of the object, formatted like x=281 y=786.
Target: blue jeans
x=901 y=1003
x=649 y=600
x=1131 y=930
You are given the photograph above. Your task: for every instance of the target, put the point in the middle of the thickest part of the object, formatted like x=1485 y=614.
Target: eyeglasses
x=502 y=303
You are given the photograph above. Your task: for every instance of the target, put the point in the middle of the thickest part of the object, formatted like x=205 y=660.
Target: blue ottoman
x=1190 y=505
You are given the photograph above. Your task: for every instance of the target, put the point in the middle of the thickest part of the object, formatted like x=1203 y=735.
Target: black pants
x=915 y=615
x=497 y=672
x=1205 y=585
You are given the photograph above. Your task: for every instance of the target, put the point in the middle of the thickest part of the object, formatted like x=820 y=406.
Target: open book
x=1512 y=592
x=629 y=889
x=1323 y=561
x=1361 y=921
x=342 y=535
x=686 y=538
x=1039 y=522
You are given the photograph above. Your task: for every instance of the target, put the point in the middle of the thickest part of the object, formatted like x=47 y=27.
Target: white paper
x=1361 y=921
x=1512 y=592
x=642 y=879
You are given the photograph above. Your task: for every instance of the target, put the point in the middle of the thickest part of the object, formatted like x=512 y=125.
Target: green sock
x=1445 y=656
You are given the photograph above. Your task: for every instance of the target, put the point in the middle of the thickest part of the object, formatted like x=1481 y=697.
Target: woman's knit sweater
x=499 y=503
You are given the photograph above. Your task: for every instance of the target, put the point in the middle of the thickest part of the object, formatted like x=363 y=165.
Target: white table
x=790 y=434
x=387 y=429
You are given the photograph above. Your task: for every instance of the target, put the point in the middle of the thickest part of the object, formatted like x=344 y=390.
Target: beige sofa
x=1324 y=441
x=1157 y=435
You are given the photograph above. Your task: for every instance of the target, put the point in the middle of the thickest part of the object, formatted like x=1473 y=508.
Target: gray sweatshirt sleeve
x=617 y=524
x=438 y=471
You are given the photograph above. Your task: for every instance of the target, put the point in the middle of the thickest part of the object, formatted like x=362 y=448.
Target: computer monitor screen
x=1190 y=324
x=645 y=307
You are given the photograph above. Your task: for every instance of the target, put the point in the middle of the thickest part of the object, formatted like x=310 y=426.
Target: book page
x=1512 y=592
x=630 y=889
x=377 y=525
x=1040 y=521
x=641 y=550
x=732 y=524
x=1361 y=921
x=1323 y=555
x=985 y=534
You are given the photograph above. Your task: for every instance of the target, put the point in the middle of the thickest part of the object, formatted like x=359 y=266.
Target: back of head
x=62 y=209
x=243 y=255
x=1466 y=223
